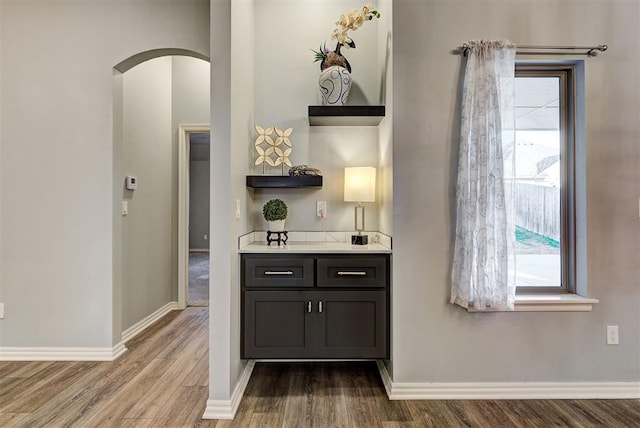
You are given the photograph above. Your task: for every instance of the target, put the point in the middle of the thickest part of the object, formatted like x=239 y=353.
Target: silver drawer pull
x=320 y=306
x=352 y=273
x=286 y=272
x=309 y=307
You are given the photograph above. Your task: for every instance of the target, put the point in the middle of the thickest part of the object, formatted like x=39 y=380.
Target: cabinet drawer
x=352 y=272
x=278 y=272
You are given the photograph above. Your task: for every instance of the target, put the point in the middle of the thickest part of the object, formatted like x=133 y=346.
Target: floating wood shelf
x=346 y=115
x=282 y=181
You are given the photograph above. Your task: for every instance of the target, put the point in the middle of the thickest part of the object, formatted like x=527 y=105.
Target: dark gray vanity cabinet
x=342 y=313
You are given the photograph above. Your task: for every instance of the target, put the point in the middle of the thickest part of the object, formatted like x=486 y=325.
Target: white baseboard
x=140 y=326
x=507 y=390
x=62 y=354
x=85 y=354
x=226 y=409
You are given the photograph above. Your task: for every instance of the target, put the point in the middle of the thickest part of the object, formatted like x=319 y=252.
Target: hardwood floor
x=163 y=381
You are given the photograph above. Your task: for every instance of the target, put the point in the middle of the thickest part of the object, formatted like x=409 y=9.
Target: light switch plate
x=125 y=207
x=1 y=311
x=612 y=335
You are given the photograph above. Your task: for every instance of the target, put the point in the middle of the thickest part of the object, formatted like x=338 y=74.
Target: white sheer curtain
x=483 y=272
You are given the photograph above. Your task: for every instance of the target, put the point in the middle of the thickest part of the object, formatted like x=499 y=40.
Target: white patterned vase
x=335 y=82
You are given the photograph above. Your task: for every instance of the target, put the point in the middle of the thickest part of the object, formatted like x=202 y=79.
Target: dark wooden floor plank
x=158 y=394
x=166 y=323
x=76 y=406
x=585 y=413
x=195 y=415
x=116 y=408
x=199 y=375
x=132 y=423
x=524 y=413
x=324 y=399
x=488 y=413
x=627 y=412
x=40 y=392
x=11 y=419
x=357 y=393
x=179 y=407
x=25 y=384
x=19 y=369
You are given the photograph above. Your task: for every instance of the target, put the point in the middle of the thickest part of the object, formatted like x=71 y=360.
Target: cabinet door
x=276 y=324
x=352 y=324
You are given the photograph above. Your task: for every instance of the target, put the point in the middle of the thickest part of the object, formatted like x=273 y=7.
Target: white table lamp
x=359 y=186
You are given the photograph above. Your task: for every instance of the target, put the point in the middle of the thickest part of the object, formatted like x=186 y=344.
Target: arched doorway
x=154 y=92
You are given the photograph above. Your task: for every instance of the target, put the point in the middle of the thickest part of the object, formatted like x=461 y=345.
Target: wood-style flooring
x=162 y=381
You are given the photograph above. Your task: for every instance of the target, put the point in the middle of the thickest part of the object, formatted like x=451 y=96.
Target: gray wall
x=57 y=166
x=434 y=341
x=147 y=154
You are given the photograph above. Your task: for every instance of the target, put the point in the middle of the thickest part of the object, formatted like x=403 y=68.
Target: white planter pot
x=335 y=83
x=276 y=226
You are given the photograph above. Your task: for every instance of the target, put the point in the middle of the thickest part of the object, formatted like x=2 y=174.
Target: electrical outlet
x=321 y=209
x=612 y=335
x=1 y=311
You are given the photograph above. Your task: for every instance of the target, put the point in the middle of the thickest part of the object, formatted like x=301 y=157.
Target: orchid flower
x=353 y=20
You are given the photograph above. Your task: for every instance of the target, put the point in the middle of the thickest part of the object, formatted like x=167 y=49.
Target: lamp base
x=359 y=239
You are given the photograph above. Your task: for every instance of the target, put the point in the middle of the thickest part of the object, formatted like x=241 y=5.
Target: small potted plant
x=275 y=212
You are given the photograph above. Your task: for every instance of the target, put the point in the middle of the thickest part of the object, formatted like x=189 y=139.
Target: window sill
x=550 y=303
x=554 y=303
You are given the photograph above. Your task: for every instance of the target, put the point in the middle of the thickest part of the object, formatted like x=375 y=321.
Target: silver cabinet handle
x=320 y=306
x=309 y=307
x=352 y=273
x=286 y=272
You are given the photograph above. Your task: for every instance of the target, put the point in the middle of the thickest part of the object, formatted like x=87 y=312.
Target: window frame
x=568 y=202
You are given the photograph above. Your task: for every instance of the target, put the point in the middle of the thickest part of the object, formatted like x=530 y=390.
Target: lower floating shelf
x=346 y=115
x=282 y=181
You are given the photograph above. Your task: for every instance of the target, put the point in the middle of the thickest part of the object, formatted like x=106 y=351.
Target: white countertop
x=314 y=247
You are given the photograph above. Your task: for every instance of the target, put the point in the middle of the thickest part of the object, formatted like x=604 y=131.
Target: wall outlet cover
x=321 y=209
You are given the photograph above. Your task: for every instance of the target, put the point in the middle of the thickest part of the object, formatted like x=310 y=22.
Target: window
x=544 y=178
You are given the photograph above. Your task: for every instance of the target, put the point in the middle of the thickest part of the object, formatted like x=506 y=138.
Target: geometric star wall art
x=272 y=152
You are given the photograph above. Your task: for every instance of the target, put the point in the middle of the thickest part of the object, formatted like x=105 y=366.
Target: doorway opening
x=193 y=217
x=199 y=266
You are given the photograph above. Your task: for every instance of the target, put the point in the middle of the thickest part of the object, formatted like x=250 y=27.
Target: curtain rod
x=538 y=50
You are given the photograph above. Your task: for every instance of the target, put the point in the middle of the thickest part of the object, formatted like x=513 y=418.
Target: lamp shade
x=360 y=184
